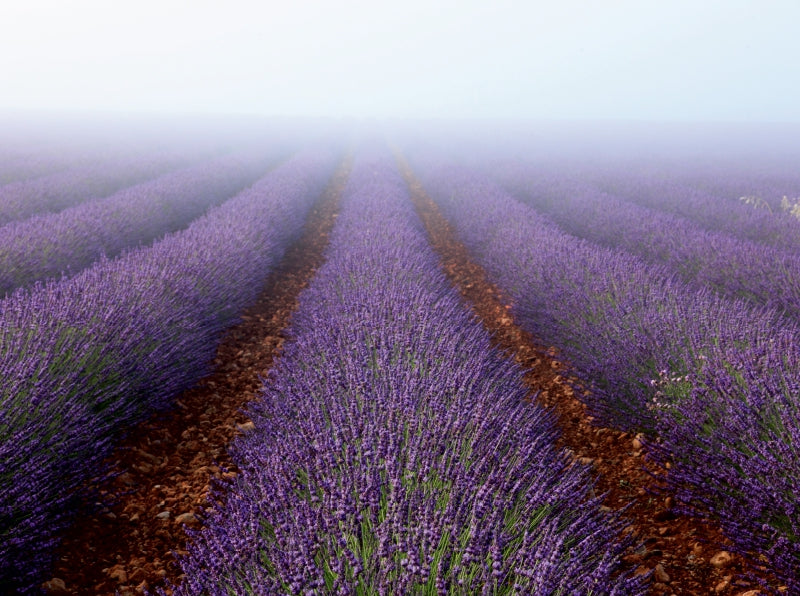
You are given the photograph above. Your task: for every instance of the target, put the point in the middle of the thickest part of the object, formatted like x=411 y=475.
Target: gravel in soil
x=682 y=554
x=166 y=466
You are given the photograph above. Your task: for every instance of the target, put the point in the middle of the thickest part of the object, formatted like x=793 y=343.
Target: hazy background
x=685 y=60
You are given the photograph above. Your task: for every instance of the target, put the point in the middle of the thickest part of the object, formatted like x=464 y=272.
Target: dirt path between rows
x=684 y=555
x=168 y=463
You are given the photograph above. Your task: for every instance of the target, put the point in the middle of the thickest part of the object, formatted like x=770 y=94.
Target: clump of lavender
x=741 y=422
x=394 y=449
x=723 y=374
x=83 y=358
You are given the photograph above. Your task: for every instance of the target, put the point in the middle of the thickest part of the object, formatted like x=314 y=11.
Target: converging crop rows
x=393 y=447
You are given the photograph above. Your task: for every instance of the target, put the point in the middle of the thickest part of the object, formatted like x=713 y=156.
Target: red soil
x=168 y=463
x=681 y=552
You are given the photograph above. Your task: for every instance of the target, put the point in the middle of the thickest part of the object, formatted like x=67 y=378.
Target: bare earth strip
x=684 y=555
x=168 y=463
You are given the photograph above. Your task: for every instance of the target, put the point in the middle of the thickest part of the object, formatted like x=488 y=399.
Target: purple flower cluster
x=741 y=422
x=733 y=266
x=713 y=380
x=394 y=449
x=47 y=245
x=83 y=358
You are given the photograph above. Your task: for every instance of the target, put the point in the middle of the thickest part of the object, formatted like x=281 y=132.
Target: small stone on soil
x=246 y=427
x=186 y=518
x=660 y=574
x=118 y=573
x=721 y=559
x=723 y=585
x=55 y=586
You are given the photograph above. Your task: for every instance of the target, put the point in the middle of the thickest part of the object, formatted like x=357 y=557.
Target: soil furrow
x=166 y=466
x=683 y=555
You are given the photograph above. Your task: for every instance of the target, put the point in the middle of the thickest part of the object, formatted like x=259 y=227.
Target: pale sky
x=729 y=60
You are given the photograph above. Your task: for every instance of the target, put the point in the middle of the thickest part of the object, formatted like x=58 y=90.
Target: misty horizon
x=576 y=61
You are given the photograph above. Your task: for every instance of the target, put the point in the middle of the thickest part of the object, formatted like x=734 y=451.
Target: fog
x=715 y=60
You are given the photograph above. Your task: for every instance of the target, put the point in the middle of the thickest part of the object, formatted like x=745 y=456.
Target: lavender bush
x=713 y=381
x=83 y=358
x=706 y=195
x=47 y=245
x=394 y=450
x=737 y=438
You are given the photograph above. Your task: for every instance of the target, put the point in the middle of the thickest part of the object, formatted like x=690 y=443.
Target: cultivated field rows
x=47 y=245
x=84 y=357
x=392 y=448
x=711 y=380
x=715 y=206
x=62 y=189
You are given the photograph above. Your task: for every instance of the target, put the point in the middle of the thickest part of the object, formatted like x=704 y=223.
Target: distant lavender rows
x=693 y=196
x=16 y=166
x=394 y=451
x=733 y=266
x=714 y=381
x=22 y=161
x=48 y=245
x=712 y=206
x=57 y=191
x=83 y=358
x=768 y=182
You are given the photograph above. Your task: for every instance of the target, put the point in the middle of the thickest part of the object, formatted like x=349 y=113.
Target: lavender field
x=393 y=447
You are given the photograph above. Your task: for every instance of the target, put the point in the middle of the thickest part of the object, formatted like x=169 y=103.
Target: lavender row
x=83 y=358
x=45 y=246
x=60 y=190
x=735 y=267
x=394 y=450
x=713 y=381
